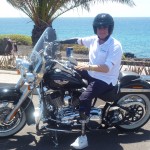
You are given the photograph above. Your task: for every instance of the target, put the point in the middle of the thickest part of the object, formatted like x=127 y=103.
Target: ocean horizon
x=132 y=32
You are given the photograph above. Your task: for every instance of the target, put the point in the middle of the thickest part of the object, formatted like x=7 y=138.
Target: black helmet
x=103 y=20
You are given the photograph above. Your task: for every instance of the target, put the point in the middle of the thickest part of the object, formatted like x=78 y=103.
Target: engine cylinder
x=55 y=99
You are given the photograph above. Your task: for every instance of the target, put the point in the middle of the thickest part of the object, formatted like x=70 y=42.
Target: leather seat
x=127 y=76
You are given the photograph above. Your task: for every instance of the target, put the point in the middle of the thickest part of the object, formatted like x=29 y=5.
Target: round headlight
x=30 y=77
x=27 y=66
x=18 y=62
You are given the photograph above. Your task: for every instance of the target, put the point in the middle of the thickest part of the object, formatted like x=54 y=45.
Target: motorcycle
x=59 y=85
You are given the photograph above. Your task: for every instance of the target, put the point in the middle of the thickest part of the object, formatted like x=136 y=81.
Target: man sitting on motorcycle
x=105 y=53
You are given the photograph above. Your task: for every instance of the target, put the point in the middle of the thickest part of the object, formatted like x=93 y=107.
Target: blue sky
x=115 y=9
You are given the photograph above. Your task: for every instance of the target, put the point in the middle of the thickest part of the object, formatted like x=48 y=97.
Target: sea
x=133 y=33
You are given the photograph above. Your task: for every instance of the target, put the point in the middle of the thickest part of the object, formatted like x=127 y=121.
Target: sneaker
x=80 y=143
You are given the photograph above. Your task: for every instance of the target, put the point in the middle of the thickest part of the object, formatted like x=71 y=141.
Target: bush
x=79 y=49
x=129 y=55
x=19 y=39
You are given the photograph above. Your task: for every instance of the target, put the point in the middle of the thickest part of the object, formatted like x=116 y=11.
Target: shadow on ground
x=98 y=140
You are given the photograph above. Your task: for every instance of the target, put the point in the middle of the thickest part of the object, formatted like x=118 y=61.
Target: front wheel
x=15 y=124
x=138 y=113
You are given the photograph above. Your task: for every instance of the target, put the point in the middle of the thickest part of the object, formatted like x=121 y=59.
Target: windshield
x=48 y=35
x=45 y=43
x=44 y=47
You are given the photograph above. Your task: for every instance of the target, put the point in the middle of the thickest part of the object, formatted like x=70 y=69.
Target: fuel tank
x=9 y=93
x=57 y=79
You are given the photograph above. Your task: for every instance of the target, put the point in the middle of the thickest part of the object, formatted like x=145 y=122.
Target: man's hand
x=82 y=67
x=98 y=68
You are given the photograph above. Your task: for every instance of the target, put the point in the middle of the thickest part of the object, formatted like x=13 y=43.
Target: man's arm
x=98 y=68
x=69 y=41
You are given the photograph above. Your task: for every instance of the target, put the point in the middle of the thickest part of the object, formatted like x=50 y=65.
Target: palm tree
x=43 y=12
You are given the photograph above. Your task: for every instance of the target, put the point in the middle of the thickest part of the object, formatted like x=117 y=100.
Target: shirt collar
x=106 y=42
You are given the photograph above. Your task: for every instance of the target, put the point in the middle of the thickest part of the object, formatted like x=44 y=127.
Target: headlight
x=25 y=67
x=18 y=62
x=30 y=77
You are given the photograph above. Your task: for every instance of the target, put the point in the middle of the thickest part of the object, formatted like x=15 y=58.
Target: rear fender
x=13 y=94
x=136 y=86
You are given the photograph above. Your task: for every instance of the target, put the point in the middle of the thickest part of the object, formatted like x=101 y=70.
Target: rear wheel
x=138 y=113
x=15 y=124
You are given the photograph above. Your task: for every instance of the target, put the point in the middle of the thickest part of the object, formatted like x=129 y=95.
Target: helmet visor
x=103 y=27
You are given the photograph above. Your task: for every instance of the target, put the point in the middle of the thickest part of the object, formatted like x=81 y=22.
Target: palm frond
x=48 y=10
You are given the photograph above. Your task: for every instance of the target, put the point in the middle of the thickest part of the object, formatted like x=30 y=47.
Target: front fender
x=13 y=94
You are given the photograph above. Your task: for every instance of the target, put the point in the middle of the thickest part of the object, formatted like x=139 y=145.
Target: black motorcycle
x=59 y=85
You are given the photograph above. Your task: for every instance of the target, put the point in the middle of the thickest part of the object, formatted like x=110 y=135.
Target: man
x=102 y=72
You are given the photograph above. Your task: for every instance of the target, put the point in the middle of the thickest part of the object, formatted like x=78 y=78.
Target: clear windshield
x=43 y=44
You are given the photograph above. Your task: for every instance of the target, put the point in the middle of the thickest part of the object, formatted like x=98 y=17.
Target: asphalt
x=111 y=139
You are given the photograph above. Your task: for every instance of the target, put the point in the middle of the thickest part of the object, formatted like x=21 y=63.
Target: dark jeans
x=94 y=89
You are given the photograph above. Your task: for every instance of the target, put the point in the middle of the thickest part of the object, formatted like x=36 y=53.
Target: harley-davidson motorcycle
x=59 y=85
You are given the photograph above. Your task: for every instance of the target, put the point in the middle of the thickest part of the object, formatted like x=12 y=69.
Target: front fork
x=25 y=94
x=41 y=105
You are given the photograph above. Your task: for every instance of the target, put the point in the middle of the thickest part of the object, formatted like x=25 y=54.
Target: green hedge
x=19 y=39
x=80 y=49
x=76 y=48
x=26 y=40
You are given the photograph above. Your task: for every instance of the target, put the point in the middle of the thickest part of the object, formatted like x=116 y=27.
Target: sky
x=115 y=9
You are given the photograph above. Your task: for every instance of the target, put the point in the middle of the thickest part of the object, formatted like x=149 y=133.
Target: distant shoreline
x=128 y=30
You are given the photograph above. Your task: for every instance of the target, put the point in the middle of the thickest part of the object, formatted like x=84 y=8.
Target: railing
x=140 y=66
x=9 y=61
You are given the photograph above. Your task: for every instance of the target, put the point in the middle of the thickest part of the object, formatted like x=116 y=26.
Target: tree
x=43 y=12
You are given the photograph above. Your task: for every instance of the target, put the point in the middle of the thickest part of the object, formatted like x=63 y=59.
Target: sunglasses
x=103 y=27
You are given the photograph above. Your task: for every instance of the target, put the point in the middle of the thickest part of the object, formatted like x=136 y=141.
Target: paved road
x=100 y=140
x=110 y=139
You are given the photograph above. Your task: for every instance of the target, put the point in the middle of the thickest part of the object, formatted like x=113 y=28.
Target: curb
x=8 y=72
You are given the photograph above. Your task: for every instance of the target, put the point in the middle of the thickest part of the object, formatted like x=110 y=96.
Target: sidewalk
x=7 y=72
x=8 y=77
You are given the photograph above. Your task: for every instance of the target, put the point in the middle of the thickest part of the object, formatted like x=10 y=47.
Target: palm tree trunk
x=37 y=32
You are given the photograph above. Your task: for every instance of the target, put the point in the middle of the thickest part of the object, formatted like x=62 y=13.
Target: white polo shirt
x=109 y=53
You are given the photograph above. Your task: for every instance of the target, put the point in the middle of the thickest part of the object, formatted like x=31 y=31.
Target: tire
x=15 y=124
x=139 y=119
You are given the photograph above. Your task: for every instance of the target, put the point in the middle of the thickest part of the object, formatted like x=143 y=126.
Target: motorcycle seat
x=127 y=76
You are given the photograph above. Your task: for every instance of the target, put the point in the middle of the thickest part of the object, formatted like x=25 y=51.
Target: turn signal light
x=137 y=87
x=18 y=72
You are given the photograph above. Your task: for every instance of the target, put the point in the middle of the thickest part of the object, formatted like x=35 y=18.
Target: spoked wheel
x=138 y=111
x=15 y=124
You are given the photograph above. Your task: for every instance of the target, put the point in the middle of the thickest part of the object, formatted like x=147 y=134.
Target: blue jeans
x=94 y=89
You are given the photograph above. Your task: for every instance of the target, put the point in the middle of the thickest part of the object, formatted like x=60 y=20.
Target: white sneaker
x=80 y=143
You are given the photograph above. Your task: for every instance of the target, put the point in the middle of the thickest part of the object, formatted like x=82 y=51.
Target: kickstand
x=55 y=138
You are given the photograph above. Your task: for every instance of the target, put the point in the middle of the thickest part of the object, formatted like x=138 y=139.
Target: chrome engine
x=62 y=106
x=66 y=111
